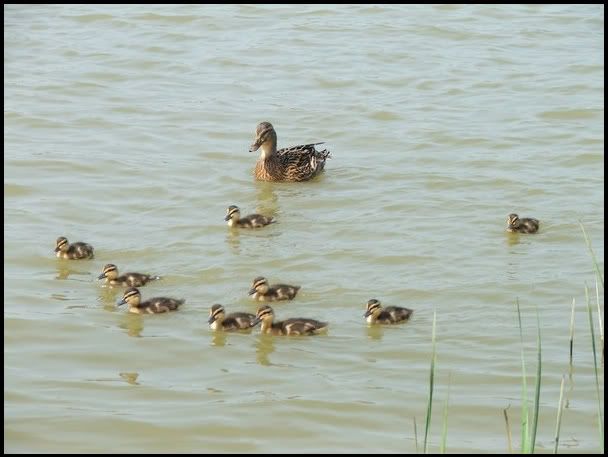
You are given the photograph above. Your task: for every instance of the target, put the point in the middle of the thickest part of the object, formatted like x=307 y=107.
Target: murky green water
x=128 y=127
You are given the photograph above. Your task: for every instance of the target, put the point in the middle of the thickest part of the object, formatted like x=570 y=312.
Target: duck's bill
x=211 y=320
x=120 y=302
x=101 y=276
x=251 y=291
x=254 y=147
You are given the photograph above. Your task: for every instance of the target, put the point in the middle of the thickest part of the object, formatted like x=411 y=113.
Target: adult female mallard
x=295 y=163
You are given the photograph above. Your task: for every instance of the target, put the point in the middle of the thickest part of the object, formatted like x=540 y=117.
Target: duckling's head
x=233 y=212
x=216 y=313
x=373 y=308
x=265 y=137
x=263 y=314
x=512 y=221
x=259 y=284
x=110 y=271
x=61 y=244
x=131 y=296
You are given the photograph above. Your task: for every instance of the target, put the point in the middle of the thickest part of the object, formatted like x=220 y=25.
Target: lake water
x=128 y=127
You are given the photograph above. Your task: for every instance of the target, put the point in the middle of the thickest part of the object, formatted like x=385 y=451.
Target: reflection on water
x=218 y=338
x=233 y=241
x=512 y=238
x=267 y=201
x=133 y=324
x=375 y=332
x=264 y=346
x=108 y=296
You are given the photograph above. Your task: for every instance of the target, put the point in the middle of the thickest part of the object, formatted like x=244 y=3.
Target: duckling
x=233 y=216
x=261 y=291
x=523 y=225
x=295 y=163
x=375 y=314
x=218 y=319
x=155 y=305
x=78 y=250
x=110 y=272
x=293 y=326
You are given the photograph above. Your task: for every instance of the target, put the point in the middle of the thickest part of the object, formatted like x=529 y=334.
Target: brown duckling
x=376 y=314
x=233 y=216
x=154 y=305
x=523 y=225
x=110 y=273
x=78 y=250
x=262 y=291
x=219 y=320
x=295 y=163
x=293 y=326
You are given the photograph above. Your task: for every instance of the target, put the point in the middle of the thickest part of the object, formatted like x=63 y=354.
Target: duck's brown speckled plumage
x=261 y=291
x=293 y=326
x=233 y=216
x=110 y=273
x=74 y=251
x=295 y=163
x=376 y=314
x=219 y=320
x=522 y=225
x=155 y=305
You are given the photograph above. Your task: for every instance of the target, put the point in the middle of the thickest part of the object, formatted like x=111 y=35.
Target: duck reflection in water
x=263 y=348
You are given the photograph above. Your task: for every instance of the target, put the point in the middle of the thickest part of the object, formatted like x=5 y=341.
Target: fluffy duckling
x=110 y=273
x=78 y=250
x=218 y=319
x=154 y=305
x=262 y=291
x=523 y=225
x=375 y=314
x=233 y=216
x=293 y=326
x=295 y=163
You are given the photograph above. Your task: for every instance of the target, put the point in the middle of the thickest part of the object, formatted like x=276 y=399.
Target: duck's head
x=264 y=136
x=61 y=244
x=373 y=308
x=259 y=284
x=131 y=297
x=264 y=314
x=110 y=271
x=233 y=212
x=216 y=313
x=512 y=221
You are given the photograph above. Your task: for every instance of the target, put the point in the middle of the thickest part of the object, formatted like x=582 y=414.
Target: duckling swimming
x=261 y=291
x=293 y=326
x=375 y=314
x=523 y=225
x=218 y=319
x=110 y=273
x=154 y=305
x=233 y=216
x=78 y=250
x=295 y=163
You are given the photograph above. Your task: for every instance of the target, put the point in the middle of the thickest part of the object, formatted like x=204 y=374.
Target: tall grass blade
x=537 y=387
x=524 y=388
x=431 y=384
x=599 y=317
x=560 y=410
x=597 y=267
x=444 y=431
x=509 y=436
x=572 y=332
x=597 y=382
x=415 y=435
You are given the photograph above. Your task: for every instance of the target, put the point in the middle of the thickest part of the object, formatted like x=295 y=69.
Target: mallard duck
x=523 y=225
x=110 y=273
x=261 y=291
x=155 y=305
x=296 y=163
x=218 y=319
x=233 y=216
x=78 y=250
x=376 y=314
x=293 y=326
